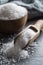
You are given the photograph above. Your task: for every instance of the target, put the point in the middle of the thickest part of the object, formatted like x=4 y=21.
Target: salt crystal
x=13 y=60
x=24 y=54
x=32 y=51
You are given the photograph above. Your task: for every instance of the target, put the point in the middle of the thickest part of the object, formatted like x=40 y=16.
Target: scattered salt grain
x=32 y=51
x=14 y=61
x=33 y=44
x=24 y=54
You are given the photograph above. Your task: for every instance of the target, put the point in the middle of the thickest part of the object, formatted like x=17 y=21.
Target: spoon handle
x=39 y=24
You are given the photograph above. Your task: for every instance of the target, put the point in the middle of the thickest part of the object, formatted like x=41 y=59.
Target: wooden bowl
x=14 y=24
x=11 y=26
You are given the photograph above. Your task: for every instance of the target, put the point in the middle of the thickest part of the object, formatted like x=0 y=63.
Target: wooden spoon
x=28 y=35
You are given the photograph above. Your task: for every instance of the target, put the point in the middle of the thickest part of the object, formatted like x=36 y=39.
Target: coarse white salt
x=24 y=54
x=13 y=51
x=7 y=46
x=12 y=11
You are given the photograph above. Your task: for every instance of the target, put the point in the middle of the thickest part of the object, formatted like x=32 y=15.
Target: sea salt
x=24 y=54
x=12 y=11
